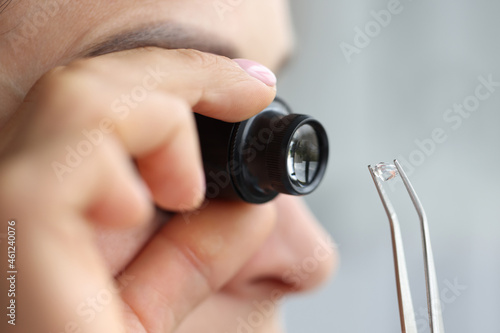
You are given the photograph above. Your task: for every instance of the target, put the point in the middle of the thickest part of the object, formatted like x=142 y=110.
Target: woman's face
x=37 y=36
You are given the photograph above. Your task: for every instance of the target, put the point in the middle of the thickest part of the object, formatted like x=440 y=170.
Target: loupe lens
x=303 y=156
x=275 y=151
x=297 y=155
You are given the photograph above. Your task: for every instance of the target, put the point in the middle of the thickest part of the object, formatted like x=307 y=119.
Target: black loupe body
x=273 y=152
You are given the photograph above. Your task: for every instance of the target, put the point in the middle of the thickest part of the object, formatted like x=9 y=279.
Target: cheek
x=312 y=247
x=298 y=256
x=297 y=222
x=223 y=313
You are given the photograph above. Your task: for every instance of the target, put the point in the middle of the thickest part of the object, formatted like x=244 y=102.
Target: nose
x=298 y=255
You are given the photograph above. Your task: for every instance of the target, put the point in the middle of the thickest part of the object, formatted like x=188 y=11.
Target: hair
x=4 y=4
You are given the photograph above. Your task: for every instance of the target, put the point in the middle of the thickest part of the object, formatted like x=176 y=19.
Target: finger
x=163 y=138
x=186 y=262
x=118 y=83
x=156 y=130
x=105 y=177
x=55 y=235
x=161 y=134
x=212 y=85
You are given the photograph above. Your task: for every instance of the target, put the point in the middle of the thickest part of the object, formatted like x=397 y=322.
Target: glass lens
x=303 y=155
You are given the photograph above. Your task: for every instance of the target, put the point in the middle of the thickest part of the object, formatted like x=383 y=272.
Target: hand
x=67 y=169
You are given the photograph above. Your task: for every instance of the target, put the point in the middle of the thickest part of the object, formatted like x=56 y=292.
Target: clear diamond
x=385 y=171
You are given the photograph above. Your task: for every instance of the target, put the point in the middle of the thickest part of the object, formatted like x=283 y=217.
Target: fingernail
x=257 y=71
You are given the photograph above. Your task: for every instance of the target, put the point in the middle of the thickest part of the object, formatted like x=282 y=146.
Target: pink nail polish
x=257 y=71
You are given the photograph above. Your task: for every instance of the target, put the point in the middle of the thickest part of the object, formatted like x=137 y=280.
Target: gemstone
x=385 y=171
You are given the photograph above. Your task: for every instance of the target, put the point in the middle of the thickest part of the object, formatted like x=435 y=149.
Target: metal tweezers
x=406 y=312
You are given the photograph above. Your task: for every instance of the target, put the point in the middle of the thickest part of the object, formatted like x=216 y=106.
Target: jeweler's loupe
x=273 y=152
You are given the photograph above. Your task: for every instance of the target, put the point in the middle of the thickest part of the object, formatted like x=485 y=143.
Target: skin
x=213 y=269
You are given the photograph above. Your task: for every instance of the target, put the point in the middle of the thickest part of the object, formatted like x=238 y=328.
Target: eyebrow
x=167 y=35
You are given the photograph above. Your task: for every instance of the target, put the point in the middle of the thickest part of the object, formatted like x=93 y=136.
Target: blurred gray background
x=394 y=93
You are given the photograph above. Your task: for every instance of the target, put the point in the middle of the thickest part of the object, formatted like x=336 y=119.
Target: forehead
x=56 y=31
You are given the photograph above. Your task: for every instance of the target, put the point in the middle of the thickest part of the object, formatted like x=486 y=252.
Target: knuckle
x=64 y=87
x=82 y=93
x=179 y=110
x=47 y=80
x=202 y=59
x=225 y=68
x=97 y=67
